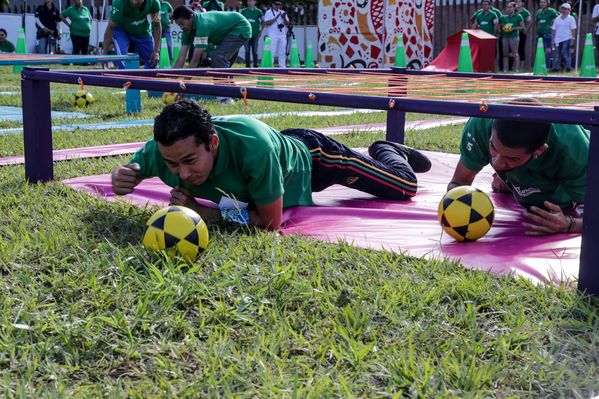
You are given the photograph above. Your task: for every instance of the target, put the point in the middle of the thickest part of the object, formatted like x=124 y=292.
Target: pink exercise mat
x=409 y=227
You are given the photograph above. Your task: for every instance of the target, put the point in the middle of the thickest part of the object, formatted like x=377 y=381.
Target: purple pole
x=37 y=130
x=588 y=273
x=396 y=120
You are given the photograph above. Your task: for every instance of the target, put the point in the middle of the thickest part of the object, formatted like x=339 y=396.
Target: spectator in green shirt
x=80 y=25
x=166 y=10
x=525 y=14
x=242 y=158
x=486 y=20
x=227 y=31
x=510 y=25
x=542 y=165
x=213 y=5
x=544 y=20
x=254 y=16
x=5 y=45
x=130 y=22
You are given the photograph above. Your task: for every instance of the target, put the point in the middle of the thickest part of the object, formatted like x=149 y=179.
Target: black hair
x=182 y=12
x=213 y=6
x=522 y=134
x=182 y=119
x=4 y=31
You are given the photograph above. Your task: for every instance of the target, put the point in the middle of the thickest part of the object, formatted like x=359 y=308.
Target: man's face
x=191 y=162
x=486 y=6
x=78 y=3
x=519 y=3
x=504 y=158
x=251 y=3
x=510 y=8
x=2 y=36
x=277 y=5
x=185 y=24
x=564 y=10
x=543 y=3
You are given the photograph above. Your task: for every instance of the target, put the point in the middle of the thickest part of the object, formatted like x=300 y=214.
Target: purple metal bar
x=37 y=130
x=558 y=115
x=588 y=273
x=396 y=119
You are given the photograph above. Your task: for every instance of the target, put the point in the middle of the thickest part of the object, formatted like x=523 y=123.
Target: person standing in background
x=544 y=20
x=275 y=21
x=595 y=17
x=564 y=36
x=166 y=11
x=46 y=18
x=510 y=25
x=80 y=26
x=5 y=45
x=254 y=16
x=525 y=14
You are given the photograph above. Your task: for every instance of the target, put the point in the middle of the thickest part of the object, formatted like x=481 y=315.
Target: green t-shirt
x=558 y=175
x=253 y=16
x=165 y=11
x=485 y=21
x=214 y=5
x=524 y=13
x=255 y=164
x=80 y=19
x=7 y=47
x=510 y=20
x=545 y=19
x=210 y=28
x=134 y=20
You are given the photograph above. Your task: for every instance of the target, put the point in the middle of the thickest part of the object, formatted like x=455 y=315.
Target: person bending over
x=542 y=164
x=235 y=159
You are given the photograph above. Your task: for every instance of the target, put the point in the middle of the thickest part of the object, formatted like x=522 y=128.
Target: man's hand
x=498 y=185
x=125 y=178
x=183 y=197
x=155 y=58
x=542 y=222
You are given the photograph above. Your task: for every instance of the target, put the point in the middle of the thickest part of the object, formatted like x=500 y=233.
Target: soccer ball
x=178 y=231
x=169 y=98
x=83 y=98
x=507 y=28
x=466 y=213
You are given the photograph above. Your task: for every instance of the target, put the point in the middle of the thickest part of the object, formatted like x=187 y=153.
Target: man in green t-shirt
x=544 y=20
x=254 y=16
x=486 y=20
x=5 y=45
x=213 y=5
x=257 y=169
x=510 y=25
x=226 y=31
x=129 y=23
x=80 y=25
x=542 y=164
x=166 y=10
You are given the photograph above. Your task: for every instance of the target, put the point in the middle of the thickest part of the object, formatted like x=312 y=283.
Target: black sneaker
x=417 y=160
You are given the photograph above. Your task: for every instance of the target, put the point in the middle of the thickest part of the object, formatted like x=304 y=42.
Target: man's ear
x=214 y=140
x=540 y=150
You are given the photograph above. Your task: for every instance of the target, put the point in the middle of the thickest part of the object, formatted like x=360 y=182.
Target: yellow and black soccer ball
x=508 y=27
x=176 y=231
x=82 y=98
x=466 y=213
x=170 y=98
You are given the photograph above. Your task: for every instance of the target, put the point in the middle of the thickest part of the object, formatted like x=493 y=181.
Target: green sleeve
x=146 y=157
x=265 y=177
x=573 y=174
x=155 y=7
x=66 y=13
x=116 y=13
x=474 y=147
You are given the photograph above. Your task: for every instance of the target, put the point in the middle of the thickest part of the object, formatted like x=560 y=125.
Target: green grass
x=86 y=312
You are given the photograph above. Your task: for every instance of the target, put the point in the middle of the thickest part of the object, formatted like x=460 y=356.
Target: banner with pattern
x=363 y=33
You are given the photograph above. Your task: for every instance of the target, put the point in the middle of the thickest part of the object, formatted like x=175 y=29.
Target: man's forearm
x=107 y=39
x=157 y=34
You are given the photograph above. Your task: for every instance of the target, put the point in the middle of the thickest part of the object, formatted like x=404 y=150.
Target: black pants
x=251 y=44
x=80 y=44
x=389 y=176
x=522 y=47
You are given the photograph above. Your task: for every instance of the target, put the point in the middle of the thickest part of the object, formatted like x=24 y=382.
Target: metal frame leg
x=588 y=274
x=132 y=97
x=396 y=120
x=37 y=130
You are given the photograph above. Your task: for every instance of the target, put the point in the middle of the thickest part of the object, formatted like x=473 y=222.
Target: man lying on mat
x=254 y=171
x=542 y=164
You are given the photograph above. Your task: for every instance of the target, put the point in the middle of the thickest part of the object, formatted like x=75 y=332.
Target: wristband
x=235 y=215
x=572 y=224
